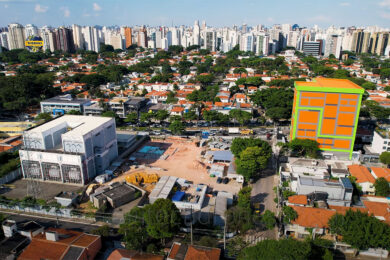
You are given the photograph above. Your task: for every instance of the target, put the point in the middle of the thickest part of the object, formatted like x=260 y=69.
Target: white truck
x=234 y=130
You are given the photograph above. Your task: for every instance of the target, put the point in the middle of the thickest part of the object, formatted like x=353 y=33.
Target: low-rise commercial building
x=69 y=149
x=63 y=104
x=337 y=193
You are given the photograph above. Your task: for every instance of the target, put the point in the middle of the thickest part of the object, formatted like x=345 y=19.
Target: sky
x=184 y=12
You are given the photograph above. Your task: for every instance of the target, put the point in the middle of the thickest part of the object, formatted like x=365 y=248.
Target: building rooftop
x=120 y=253
x=66 y=99
x=312 y=217
x=307 y=162
x=361 y=173
x=329 y=85
x=119 y=191
x=324 y=183
x=298 y=199
x=78 y=125
x=381 y=172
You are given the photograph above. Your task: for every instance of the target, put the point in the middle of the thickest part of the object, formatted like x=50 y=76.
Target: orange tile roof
x=312 y=217
x=38 y=250
x=298 y=199
x=174 y=250
x=177 y=109
x=361 y=173
x=121 y=253
x=245 y=105
x=379 y=209
x=202 y=253
x=381 y=172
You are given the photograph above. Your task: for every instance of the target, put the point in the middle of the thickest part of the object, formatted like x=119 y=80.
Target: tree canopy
x=382 y=187
x=277 y=249
x=361 y=230
x=304 y=147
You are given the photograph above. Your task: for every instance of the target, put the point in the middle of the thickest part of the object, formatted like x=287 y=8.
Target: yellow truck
x=247 y=132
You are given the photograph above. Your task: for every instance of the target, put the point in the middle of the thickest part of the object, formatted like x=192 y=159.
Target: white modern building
x=70 y=149
x=380 y=142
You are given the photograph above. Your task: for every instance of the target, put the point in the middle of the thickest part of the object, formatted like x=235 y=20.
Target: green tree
x=289 y=214
x=161 y=115
x=208 y=241
x=74 y=112
x=269 y=219
x=131 y=118
x=235 y=246
x=304 y=147
x=162 y=219
x=240 y=144
x=244 y=198
x=361 y=230
x=277 y=249
x=103 y=231
x=382 y=187
x=190 y=115
x=133 y=229
x=251 y=161
x=44 y=116
x=385 y=158
x=240 y=116
x=177 y=127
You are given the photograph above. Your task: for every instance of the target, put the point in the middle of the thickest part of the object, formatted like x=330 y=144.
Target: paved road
x=262 y=191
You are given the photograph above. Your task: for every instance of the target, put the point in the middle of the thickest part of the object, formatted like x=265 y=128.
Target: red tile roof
x=312 y=217
x=381 y=172
x=361 y=173
x=202 y=253
x=121 y=253
x=298 y=199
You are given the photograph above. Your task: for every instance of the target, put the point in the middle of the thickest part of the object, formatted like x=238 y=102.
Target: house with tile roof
x=363 y=177
x=56 y=243
x=378 y=172
x=192 y=252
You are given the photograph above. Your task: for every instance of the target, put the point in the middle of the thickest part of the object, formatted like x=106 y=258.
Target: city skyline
x=217 y=13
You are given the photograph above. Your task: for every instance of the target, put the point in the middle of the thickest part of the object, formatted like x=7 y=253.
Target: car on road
x=219 y=180
x=256 y=206
x=225 y=180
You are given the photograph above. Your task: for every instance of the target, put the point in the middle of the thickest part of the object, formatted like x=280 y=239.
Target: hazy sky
x=178 y=12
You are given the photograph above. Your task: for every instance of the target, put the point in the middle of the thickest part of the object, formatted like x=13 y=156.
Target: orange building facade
x=129 y=40
x=327 y=110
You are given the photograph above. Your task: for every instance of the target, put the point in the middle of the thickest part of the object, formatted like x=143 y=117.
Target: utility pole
x=224 y=236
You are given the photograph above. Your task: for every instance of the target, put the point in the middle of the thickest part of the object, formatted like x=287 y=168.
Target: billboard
x=34 y=43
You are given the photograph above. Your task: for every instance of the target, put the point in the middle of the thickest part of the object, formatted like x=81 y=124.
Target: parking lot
x=41 y=190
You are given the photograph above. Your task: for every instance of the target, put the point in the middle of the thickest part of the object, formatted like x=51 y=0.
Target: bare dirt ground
x=184 y=161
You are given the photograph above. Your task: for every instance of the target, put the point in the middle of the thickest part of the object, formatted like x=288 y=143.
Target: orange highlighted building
x=327 y=110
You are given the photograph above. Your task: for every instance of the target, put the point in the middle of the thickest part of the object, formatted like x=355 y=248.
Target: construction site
x=179 y=157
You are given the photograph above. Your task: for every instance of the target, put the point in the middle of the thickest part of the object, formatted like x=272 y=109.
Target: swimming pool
x=151 y=149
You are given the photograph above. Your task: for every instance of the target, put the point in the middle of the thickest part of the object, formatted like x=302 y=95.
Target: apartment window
x=385 y=142
x=97 y=134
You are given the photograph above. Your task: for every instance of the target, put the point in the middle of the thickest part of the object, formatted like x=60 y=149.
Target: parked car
x=225 y=180
x=219 y=180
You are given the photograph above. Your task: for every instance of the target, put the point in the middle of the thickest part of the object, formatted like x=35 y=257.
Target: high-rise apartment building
x=4 y=40
x=312 y=48
x=333 y=46
x=16 y=36
x=196 y=34
x=128 y=35
x=64 y=39
x=327 y=110
x=77 y=36
x=30 y=30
